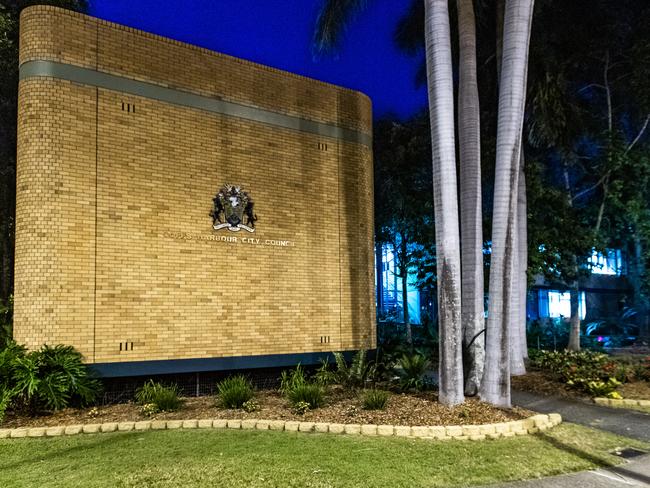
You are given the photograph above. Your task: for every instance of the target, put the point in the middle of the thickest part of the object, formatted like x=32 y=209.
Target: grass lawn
x=227 y=458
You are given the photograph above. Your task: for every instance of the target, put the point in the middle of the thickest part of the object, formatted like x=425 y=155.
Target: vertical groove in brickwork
x=96 y=192
x=338 y=206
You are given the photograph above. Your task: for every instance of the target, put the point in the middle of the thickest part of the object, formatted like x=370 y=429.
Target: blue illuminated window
x=555 y=304
x=608 y=263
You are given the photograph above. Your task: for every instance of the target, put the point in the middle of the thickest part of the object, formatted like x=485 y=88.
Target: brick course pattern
x=115 y=250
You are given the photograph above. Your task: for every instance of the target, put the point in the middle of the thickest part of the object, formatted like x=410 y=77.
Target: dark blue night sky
x=278 y=33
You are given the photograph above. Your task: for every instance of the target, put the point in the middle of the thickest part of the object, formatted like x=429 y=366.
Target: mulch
x=343 y=406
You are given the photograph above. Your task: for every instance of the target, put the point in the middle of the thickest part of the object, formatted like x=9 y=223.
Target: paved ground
x=635 y=473
x=617 y=420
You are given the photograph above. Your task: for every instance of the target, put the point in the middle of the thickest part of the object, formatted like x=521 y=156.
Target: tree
x=495 y=387
x=403 y=194
x=331 y=20
x=471 y=216
x=445 y=195
x=588 y=123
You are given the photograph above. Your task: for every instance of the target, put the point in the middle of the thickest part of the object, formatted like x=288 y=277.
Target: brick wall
x=114 y=243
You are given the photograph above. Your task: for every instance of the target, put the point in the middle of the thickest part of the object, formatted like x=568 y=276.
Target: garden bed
x=544 y=384
x=343 y=406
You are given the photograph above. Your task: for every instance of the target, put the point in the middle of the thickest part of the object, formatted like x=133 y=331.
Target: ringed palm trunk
x=441 y=112
x=517 y=366
x=471 y=220
x=495 y=387
x=522 y=223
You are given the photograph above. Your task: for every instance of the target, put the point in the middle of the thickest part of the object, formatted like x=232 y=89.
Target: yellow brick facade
x=115 y=249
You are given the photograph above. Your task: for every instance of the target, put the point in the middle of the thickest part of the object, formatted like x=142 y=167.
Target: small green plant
x=355 y=375
x=375 y=399
x=301 y=408
x=290 y=379
x=149 y=409
x=234 y=391
x=411 y=370
x=164 y=398
x=250 y=406
x=324 y=375
x=309 y=393
x=602 y=388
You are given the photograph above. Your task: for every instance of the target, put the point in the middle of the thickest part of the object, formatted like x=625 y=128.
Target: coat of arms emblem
x=232 y=206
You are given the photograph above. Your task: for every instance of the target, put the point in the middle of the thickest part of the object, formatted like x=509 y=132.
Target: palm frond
x=409 y=32
x=333 y=18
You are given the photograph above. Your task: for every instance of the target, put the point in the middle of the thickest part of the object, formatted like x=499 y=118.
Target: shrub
x=310 y=393
x=411 y=370
x=595 y=373
x=642 y=370
x=234 y=391
x=51 y=378
x=5 y=399
x=163 y=398
x=603 y=388
x=6 y=322
x=375 y=399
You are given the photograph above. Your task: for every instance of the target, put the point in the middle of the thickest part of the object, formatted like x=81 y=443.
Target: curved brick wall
x=123 y=141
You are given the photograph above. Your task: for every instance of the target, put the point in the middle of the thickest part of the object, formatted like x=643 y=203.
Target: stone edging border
x=621 y=402
x=530 y=425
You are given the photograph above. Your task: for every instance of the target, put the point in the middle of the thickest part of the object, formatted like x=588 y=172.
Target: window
x=554 y=303
x=608 y=263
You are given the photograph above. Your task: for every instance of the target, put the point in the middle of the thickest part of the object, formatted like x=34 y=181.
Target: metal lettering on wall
x=187 y=236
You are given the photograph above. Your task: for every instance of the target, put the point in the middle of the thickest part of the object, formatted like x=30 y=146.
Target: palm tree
x=516 y=325
x=495 y=387
x=445 y=198
x=522 y=248
x=330 y=23
x=471 y=220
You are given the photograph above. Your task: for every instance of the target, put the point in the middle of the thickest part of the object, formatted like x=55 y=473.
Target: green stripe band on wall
x=122 y=84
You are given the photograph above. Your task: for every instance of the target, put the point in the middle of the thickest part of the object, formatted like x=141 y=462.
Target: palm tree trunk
x=522 y=223
x=471 y=219
x=495 y=387
x=517 y=366
x=441 y=113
